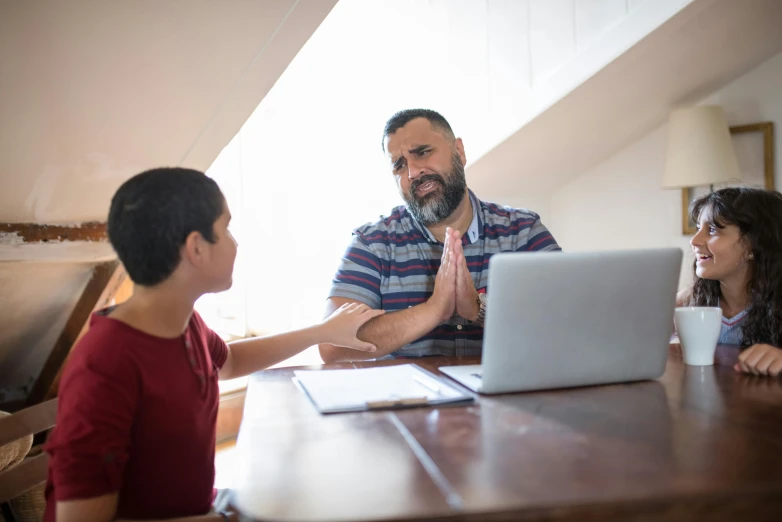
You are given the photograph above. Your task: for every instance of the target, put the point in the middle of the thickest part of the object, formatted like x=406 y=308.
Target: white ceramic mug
x=698 y=328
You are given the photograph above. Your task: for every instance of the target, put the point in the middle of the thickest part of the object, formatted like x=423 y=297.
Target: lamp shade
x=700 y=151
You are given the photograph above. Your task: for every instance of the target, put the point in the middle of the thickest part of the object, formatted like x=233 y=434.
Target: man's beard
x=435 y=206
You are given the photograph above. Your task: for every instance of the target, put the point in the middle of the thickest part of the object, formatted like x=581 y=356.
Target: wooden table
x=699 y=444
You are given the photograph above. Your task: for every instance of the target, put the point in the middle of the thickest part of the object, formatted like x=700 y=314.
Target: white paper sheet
x=388 y=386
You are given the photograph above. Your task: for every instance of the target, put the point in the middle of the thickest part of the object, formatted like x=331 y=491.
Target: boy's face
x=221 y=255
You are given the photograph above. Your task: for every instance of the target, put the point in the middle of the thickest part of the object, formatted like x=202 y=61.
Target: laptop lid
x=557 y=319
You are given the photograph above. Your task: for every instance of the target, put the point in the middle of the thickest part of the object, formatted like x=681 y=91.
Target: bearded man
x=426 y=264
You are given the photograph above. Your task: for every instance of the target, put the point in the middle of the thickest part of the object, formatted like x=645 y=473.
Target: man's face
x=429 y=170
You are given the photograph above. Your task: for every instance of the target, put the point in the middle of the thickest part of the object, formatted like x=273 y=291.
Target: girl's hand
x=760 y=359
x=340 y=327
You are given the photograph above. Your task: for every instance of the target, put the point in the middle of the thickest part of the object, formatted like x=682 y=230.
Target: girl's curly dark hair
x=758 y=215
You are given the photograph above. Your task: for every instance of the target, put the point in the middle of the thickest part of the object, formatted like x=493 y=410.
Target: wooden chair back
x=31 y=471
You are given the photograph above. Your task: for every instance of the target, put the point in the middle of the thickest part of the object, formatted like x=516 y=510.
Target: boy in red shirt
x=135 y=432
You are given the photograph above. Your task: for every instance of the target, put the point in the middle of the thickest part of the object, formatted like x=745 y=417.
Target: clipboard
x=385 y=387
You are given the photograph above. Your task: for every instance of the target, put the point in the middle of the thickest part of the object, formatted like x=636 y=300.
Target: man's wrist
x=480 y=317
x=434 y=314
x=471 y=309
x=475 y=309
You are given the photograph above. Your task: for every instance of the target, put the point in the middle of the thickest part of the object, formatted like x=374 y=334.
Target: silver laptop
x=557 y=320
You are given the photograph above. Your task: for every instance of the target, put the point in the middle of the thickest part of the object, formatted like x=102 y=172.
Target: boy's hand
x=760 y=359
x=341 y=326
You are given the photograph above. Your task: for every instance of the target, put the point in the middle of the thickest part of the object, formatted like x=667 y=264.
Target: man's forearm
x=395 y=330
x=388 y=332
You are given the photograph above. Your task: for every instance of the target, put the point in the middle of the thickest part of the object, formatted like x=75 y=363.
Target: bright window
x=307 y=166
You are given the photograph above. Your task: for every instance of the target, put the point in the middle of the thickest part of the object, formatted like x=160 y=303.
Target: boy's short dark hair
x=152 y=214
x=402 y=118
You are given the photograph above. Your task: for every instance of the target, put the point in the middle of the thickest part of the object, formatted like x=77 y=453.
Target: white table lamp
x=700 y=149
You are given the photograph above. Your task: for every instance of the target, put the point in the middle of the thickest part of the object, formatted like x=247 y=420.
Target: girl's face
x=720 y=253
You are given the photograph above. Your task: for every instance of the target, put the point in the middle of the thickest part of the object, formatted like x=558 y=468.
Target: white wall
x=509 y=60
x=619 y=203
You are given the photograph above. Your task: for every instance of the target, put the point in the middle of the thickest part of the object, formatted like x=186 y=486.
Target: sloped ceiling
x=92 y=92
x=704 y=46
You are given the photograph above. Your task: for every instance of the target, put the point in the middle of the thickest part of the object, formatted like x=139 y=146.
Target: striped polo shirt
x=392 y=265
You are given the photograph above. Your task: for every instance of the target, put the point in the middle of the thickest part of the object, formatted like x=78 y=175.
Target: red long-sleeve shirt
x=137 y=415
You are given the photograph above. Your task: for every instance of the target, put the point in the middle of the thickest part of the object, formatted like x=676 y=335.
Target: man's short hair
x=152 y=214
x=401 y=118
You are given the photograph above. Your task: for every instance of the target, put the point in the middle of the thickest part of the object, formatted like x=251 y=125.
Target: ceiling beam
x=39 y=233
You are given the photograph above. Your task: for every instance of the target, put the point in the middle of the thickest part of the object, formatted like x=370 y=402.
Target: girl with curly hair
x=738 y=267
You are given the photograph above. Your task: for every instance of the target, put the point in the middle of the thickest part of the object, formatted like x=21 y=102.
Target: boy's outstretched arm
x=250 y=355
